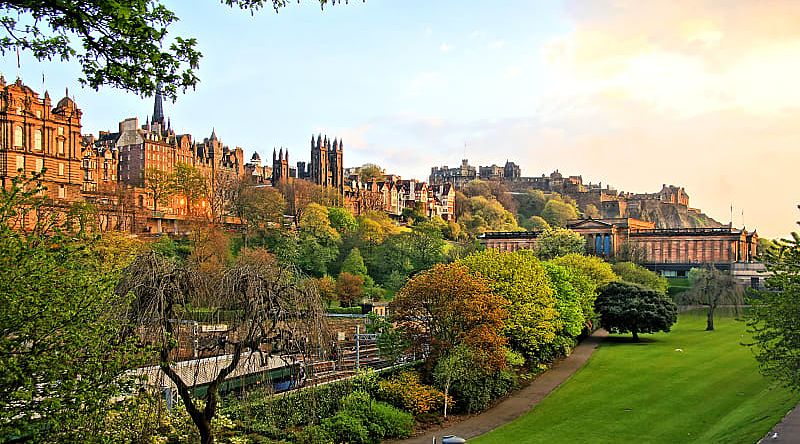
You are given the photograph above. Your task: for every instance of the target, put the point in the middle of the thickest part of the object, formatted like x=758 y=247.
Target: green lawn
x=711 y=392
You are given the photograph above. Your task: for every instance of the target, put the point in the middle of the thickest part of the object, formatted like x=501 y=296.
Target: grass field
x=711 y=392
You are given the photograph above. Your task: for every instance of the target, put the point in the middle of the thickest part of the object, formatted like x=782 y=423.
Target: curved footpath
x=519 y=403
x=786 y=431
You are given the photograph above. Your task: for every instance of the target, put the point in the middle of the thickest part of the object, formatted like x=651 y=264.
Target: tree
x=326 y=286
x=160 y=186
x=625 y=307
x=189 y=182
x=453 y=366
x=636 y=274
x=259 y=208
x=559 y=242
x=354 y=264
x=63 y=353
x=568 y=300
x=591 y=211
x=531 y=203
x=349 y=289
x=342 y=220
x=557 y=212
x=772 y=318
x=369 y=172
x=520 y=278
x=480 y=214
x=711 y=288
x=446 y=306
x=276 y=311
x=124 y=45
x=535 y=223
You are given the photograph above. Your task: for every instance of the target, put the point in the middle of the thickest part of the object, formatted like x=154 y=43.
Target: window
x=39 y=165
x=60 y=169
x=39 y=114
x=60 y=130
x=20 y=162
x=17 y=136
x=62 y=192
x=37 y=140
x=61 y=147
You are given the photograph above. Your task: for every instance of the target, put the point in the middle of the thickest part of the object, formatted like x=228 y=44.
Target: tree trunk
x=446 y=390
x=635 y=336
x=710 y=319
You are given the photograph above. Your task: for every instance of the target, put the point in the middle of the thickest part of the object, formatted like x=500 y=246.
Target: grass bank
x=710 y=392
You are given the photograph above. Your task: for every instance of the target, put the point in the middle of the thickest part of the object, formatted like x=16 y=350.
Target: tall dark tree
x=624 y=307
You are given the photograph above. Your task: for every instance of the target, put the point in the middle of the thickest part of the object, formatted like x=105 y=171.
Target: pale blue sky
x=629 y=93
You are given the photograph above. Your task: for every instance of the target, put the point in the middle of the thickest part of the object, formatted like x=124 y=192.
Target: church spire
x=158 y=107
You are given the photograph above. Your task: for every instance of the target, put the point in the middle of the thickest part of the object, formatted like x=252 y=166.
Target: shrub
x=407 y=392
x=475 y=391
x=315 y=434
x=344 y=427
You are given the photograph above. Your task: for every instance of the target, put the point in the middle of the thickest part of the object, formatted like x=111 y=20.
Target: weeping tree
x=712 y=288
x=276 y=313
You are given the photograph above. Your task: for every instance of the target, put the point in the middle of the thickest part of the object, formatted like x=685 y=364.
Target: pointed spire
x=280 y=154
x=158 y=107
x=66 y=91
x=169 y=124
x=274 y=155
x=213 y=133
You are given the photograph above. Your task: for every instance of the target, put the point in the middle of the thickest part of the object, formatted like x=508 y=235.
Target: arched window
x=17 y=136
x=37 y=140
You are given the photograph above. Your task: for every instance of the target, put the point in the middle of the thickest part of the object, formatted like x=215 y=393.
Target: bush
x=476 y=390
x=407 y=392
x=344 y=310
x=344 y=427
x=315 y=434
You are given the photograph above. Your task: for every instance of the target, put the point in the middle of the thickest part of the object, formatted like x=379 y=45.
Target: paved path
x=787 y=431
x=521 y=402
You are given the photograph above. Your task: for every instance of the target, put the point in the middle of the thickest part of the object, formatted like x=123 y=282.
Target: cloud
x=445 y=47
x=496 y=44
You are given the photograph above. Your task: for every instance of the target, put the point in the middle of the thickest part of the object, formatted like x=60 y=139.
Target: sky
x=700 y=94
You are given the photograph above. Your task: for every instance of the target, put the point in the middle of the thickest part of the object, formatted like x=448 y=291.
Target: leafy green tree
x=122 y=44
x=326 y=286
x=568 y=300
x=772 y=318
x=557 y=213
x=636 y=274
x=519 y=277
x=625 y=307
x=559 y=242
x=63 y=353
x=531 y=203
x=481 y=214
x=457 y=364
x=354 y=264
x=318 y=245
x=711 y=288
x=596 y=269
x=342 y=220
x=535 y=223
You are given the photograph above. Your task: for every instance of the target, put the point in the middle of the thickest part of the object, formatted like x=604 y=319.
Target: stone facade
x=36 y=137
x=671 y=252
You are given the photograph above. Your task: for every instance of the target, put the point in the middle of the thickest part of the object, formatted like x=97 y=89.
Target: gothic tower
x=280 y=167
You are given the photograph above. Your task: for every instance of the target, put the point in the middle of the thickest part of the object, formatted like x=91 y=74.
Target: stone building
x=37 y=136
x=458 y=176
x=671 y=252
x=326 y=166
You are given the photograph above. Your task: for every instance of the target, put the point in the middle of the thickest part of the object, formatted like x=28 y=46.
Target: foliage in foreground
x=773 y=316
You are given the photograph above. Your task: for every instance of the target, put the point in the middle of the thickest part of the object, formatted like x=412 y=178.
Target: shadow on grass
x=613 y=340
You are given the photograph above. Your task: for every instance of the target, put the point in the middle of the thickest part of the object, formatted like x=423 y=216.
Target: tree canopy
x=624 y=307
x=559 y=242
x=520 y=278
x=636 y=274
x=711 y=288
